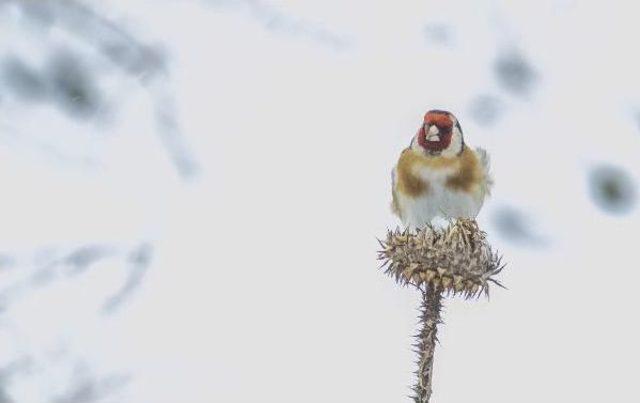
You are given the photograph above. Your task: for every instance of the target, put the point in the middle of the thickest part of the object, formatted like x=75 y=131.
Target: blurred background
x=192 y=192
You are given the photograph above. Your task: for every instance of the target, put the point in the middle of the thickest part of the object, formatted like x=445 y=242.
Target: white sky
x=264 y=286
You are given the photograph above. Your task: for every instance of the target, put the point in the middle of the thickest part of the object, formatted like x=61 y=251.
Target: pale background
x=192 y=191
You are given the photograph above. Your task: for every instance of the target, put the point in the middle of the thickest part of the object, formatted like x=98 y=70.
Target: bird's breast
x=428 y=187
x=417 y=174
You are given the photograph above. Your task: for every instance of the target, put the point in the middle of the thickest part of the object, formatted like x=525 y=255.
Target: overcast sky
x=202 y=228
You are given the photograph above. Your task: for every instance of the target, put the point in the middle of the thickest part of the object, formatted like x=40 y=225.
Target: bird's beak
x=433 y=134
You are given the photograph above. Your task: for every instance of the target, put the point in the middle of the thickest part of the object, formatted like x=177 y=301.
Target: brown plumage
x=468 y=174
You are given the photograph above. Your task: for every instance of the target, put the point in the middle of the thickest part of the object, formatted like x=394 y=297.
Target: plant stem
x=430 y=319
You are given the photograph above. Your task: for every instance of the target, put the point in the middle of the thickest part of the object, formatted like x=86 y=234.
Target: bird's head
x=440 y=134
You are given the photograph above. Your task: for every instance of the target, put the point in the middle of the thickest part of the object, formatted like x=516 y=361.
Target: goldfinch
x=438 y=176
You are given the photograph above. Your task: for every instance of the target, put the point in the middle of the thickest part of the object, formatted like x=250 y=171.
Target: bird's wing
x=485 y=163
x=394 y=199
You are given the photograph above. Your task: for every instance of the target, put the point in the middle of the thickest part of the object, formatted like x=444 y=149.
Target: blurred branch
x=8 y=371
x=275 y=19
x=515 y=73
x=612 y=189
x=517 y=227
x=92 y=389
x=52 y=265
x=139 y=261
x=146 y=63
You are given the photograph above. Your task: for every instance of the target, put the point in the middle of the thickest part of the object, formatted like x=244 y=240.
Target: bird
x=438 y=177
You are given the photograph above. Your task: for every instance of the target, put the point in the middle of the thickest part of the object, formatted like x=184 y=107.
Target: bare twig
x=429 y=319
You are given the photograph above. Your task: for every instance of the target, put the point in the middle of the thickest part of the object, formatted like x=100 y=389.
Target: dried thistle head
x=456 y=259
